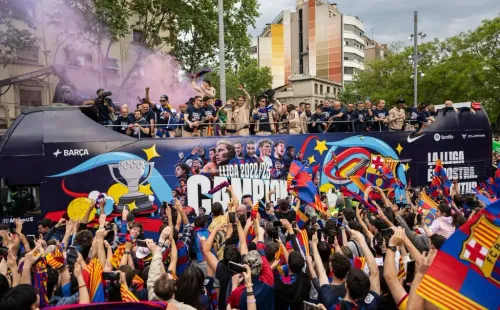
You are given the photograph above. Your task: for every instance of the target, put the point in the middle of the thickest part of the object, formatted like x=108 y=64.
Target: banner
x=496 y=146
x=144 y=173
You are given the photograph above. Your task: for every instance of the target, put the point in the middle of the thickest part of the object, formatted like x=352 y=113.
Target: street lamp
x=222 y=58
x=416 y=56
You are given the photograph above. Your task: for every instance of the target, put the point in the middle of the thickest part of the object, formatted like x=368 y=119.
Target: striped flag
x=401 y=271
x=280 y=253
x=138 y=282
x=465 y=274
x=301 y=217
x=40 y=279
x=359 y=262
x=126 y=294
x=92 y=275
x=303 y=240
x=117 y=256
x=428 y=207
x=363 y=184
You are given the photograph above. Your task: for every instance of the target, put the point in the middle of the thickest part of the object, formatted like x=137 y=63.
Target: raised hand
x=102 y=220
x=151 y=245
x=61 y=222
x=19 y=225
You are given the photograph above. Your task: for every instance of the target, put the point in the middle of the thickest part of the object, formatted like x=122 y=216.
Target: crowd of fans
x=203 y=115
x=234 y=258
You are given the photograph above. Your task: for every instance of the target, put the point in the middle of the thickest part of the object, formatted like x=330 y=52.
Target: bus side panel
x=337 y=156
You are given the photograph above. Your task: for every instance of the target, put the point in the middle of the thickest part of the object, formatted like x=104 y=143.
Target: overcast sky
x=392 y=20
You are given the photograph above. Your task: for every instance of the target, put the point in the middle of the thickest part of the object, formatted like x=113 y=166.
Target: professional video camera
x=105 y=94
x=269 y=94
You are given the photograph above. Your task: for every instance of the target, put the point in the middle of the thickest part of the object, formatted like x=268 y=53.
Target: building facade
x=81 y=62
x=303 y=88
x=314 y=40
x=374 y=50
x=305 y=41
x=354 y=47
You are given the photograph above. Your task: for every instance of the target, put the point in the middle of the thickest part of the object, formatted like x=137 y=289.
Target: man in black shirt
x=150 y=118
x=337 y=118
x=122 y=122
x=165 y=117
x=327 y=109
x=264 y=118
x=348 y=113
x=318 y=125
x=210 y=116
x=104 y=107
x=360 y=117
x=380 y=114
x=193 y=117
x=139 y=128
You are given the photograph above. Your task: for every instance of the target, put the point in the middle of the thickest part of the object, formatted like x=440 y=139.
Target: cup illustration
x=132 y=171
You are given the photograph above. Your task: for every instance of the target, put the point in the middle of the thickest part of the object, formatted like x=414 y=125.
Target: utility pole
x=222 y=58
x=415 y=59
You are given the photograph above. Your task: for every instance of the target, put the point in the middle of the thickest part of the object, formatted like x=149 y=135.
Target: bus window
x=19 y=200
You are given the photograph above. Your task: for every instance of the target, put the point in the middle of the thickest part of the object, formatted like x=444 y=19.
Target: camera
x=105 y=94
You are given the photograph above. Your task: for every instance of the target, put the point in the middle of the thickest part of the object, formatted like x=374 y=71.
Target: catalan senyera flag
x=138 y=282
x=117 y=256
x=92 y=275
x=126 y=294
x=55 y=259
x=359 y=262
x=280 y=253
x=428 y=208
x=401 y=269
x=465 y=273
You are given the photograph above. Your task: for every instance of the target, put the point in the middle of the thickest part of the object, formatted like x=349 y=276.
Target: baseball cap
x=142 y=252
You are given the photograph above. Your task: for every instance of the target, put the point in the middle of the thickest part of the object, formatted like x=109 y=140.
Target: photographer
x=104 y=107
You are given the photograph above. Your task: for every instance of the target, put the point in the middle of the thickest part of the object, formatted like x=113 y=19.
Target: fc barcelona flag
x=465 y=274
x=428 y=207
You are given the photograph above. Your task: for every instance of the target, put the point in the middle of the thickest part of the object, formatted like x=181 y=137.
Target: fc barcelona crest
x=482 y=248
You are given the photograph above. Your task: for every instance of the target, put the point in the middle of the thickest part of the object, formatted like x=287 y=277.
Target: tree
x=349 y=94
x=191 y=30
x=465 y=67
x=198 y=38
x=254 y=79
x=92 y=22
x=12 y=37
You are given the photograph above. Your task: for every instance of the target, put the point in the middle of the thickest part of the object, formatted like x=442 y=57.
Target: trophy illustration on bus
x=132 y=171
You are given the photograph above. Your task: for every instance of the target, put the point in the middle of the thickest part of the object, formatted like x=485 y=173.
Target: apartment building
x=81 y=62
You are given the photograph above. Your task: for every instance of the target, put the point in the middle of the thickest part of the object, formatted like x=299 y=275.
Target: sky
x=392 y=20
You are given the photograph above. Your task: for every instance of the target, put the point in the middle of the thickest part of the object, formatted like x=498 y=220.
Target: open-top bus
x=55 y=161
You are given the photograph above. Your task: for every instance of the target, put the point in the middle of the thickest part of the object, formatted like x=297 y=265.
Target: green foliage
x=197 y=39
x=91 y=20
x=465 y=67
x=254 y=79
x=12 y=38
x=349 y=94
